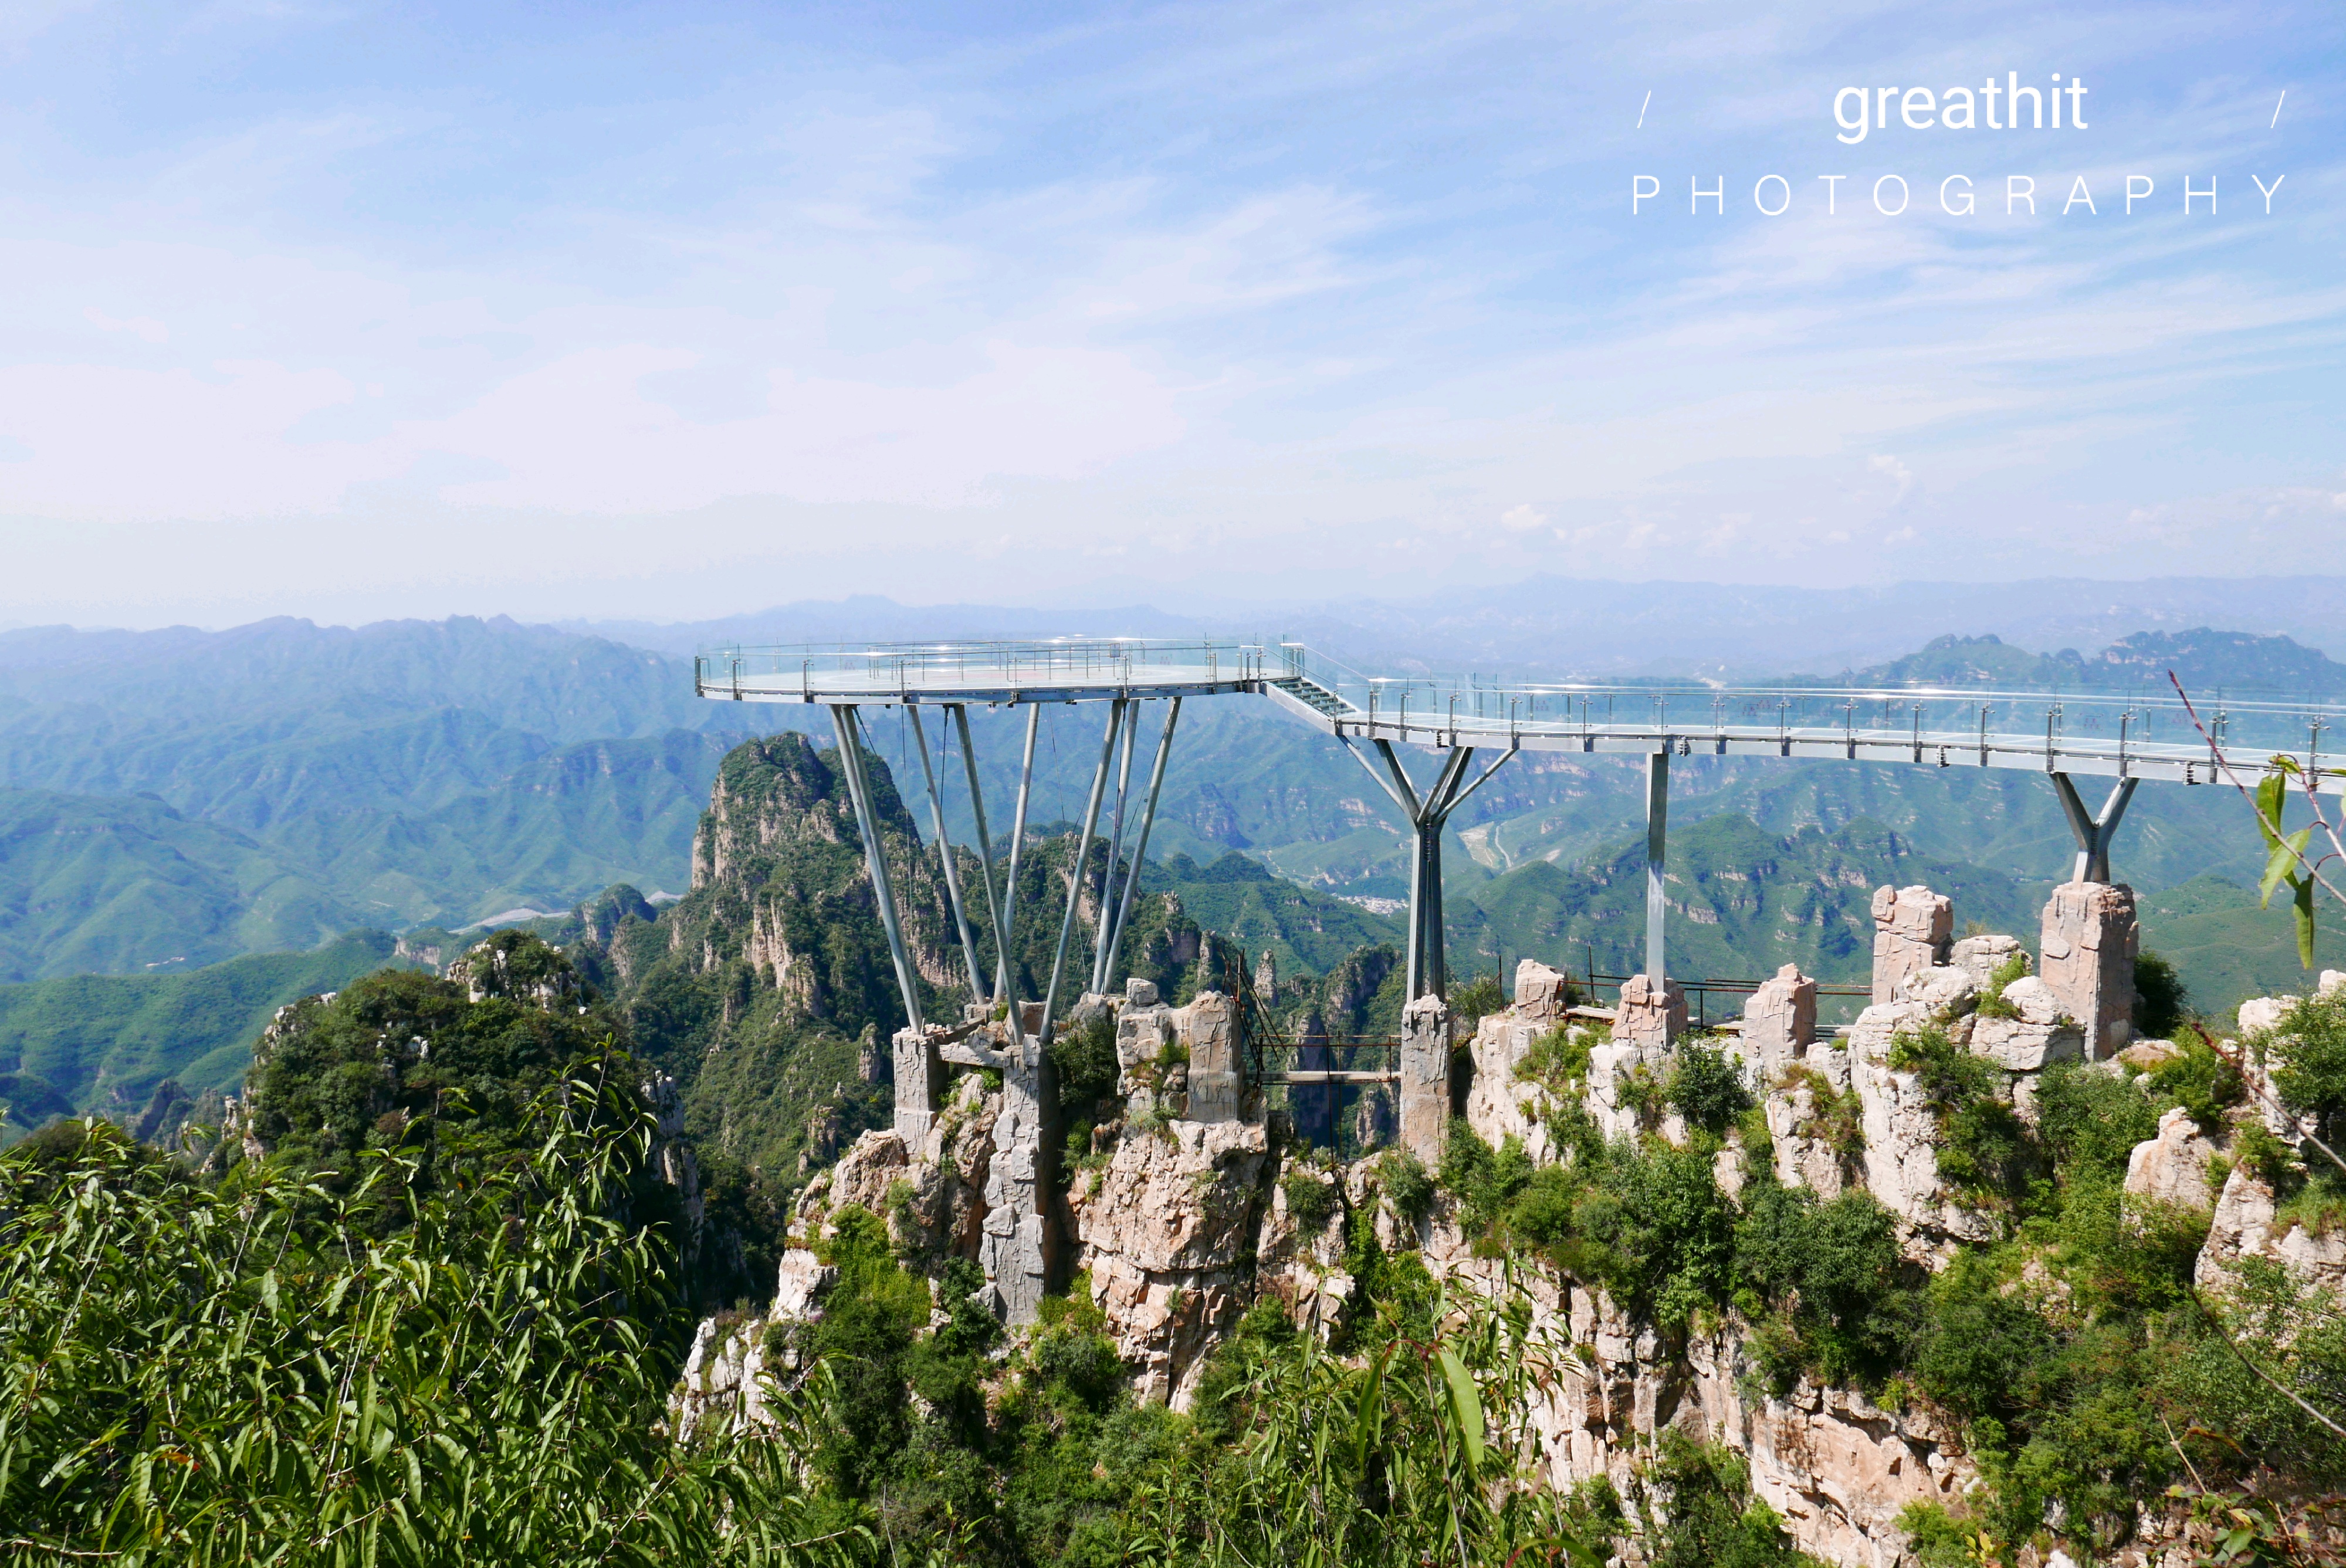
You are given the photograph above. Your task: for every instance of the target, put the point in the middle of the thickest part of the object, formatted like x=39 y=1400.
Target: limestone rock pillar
x=2090 y=940
x=1649 y=1017
x=1781 y=1020
x=920 y=1074
x=1425 y=1077
x=1214 y=1082
x=1914 y=930
x=1542 y=993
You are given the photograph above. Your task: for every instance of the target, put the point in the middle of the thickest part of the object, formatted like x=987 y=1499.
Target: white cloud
x=1522 y=518
x=1896 y=469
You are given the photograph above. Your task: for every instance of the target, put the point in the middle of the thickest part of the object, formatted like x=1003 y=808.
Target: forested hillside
x=170 y=799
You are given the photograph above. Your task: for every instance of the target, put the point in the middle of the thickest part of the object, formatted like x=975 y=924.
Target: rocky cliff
x=1196 y=1206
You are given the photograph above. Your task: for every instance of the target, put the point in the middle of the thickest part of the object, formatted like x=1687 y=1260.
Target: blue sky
x=675 y=311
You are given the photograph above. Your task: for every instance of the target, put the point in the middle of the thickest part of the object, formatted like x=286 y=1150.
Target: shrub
x=2201 y=1081
x=1992 y=1004
x=1408 y=1185
x=1558 y=1058
x=1713 y=1519
x=2160 y=997
x=1706 y=1088
x=1835 y=1271
x=1986 y=1152
x=2090 y=1121
x=1470 y=1002
x=1311 y=1198
x=1084 y=1057
x=2310 y=1075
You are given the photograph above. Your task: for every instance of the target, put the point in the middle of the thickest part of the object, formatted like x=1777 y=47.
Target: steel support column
x=1658 y=823
x=859 y=789
x=1428 y=815
x=1002 y=990
x=1147 y=819
x=945 y=853
x=1017 y=845
x=2093 y=833
x=1083 y=853
x=1101 y=951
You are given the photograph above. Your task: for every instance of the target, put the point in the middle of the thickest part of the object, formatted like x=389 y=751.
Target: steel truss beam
x=1101 y=951
x=994 y=906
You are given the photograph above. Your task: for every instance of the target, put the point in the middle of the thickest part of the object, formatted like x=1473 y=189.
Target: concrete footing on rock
x=2091 y=938
x=1650 y=1016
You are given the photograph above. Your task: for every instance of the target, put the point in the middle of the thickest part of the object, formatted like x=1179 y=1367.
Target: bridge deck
x=2143 y=734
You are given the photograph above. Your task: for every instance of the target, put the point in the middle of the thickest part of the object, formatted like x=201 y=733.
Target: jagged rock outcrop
x=1164 y=1237
x=943 y=1207
x=2245 y=1225
x=1838 y=1467
x=2172 y=1167
x=1902 y=1133
x=1914 y=930
x=1781 y=1020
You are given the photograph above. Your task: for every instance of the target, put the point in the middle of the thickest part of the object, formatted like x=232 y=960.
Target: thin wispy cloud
x=1358 y=291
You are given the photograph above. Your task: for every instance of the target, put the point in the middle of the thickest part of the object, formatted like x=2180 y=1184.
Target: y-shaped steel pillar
x=1428 y=814
x=2094 y=832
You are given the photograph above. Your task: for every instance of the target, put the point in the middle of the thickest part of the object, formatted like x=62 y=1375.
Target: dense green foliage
x=61 y=1039
x=257 y=1372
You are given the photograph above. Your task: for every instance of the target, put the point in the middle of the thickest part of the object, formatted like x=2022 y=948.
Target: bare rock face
x=946 y=1176
x=1211 y=1026
x=1981 y=956
x=1805 y=1156
x=1781 y=1020
x=1614 y=1071
x=1650 y=1016
x=2090 y=940
x=1944 y=991
x=1542 y=993
x=1914 y=930
x=799 y=1283
x=2172 y=1167
x=1902 y=1132
x=1838 y=1467
x=2244 y=1227
x=2043 y=1032
x=1163 y=1238
x=671 y=1154
x=861 y=1179
x=1303 y=1265
x=1499 y=1105
x=1142 y=1033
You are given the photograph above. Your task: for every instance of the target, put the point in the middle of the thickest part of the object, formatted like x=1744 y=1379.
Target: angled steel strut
x=1427 y=814
x=859 y=789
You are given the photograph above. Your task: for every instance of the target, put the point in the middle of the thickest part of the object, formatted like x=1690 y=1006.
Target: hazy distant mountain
x=305 y=778
x=178 y=796
x=1557 y=626
x=2203 y=659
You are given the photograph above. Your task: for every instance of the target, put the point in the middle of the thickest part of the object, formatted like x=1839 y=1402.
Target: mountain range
x=174 y=800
